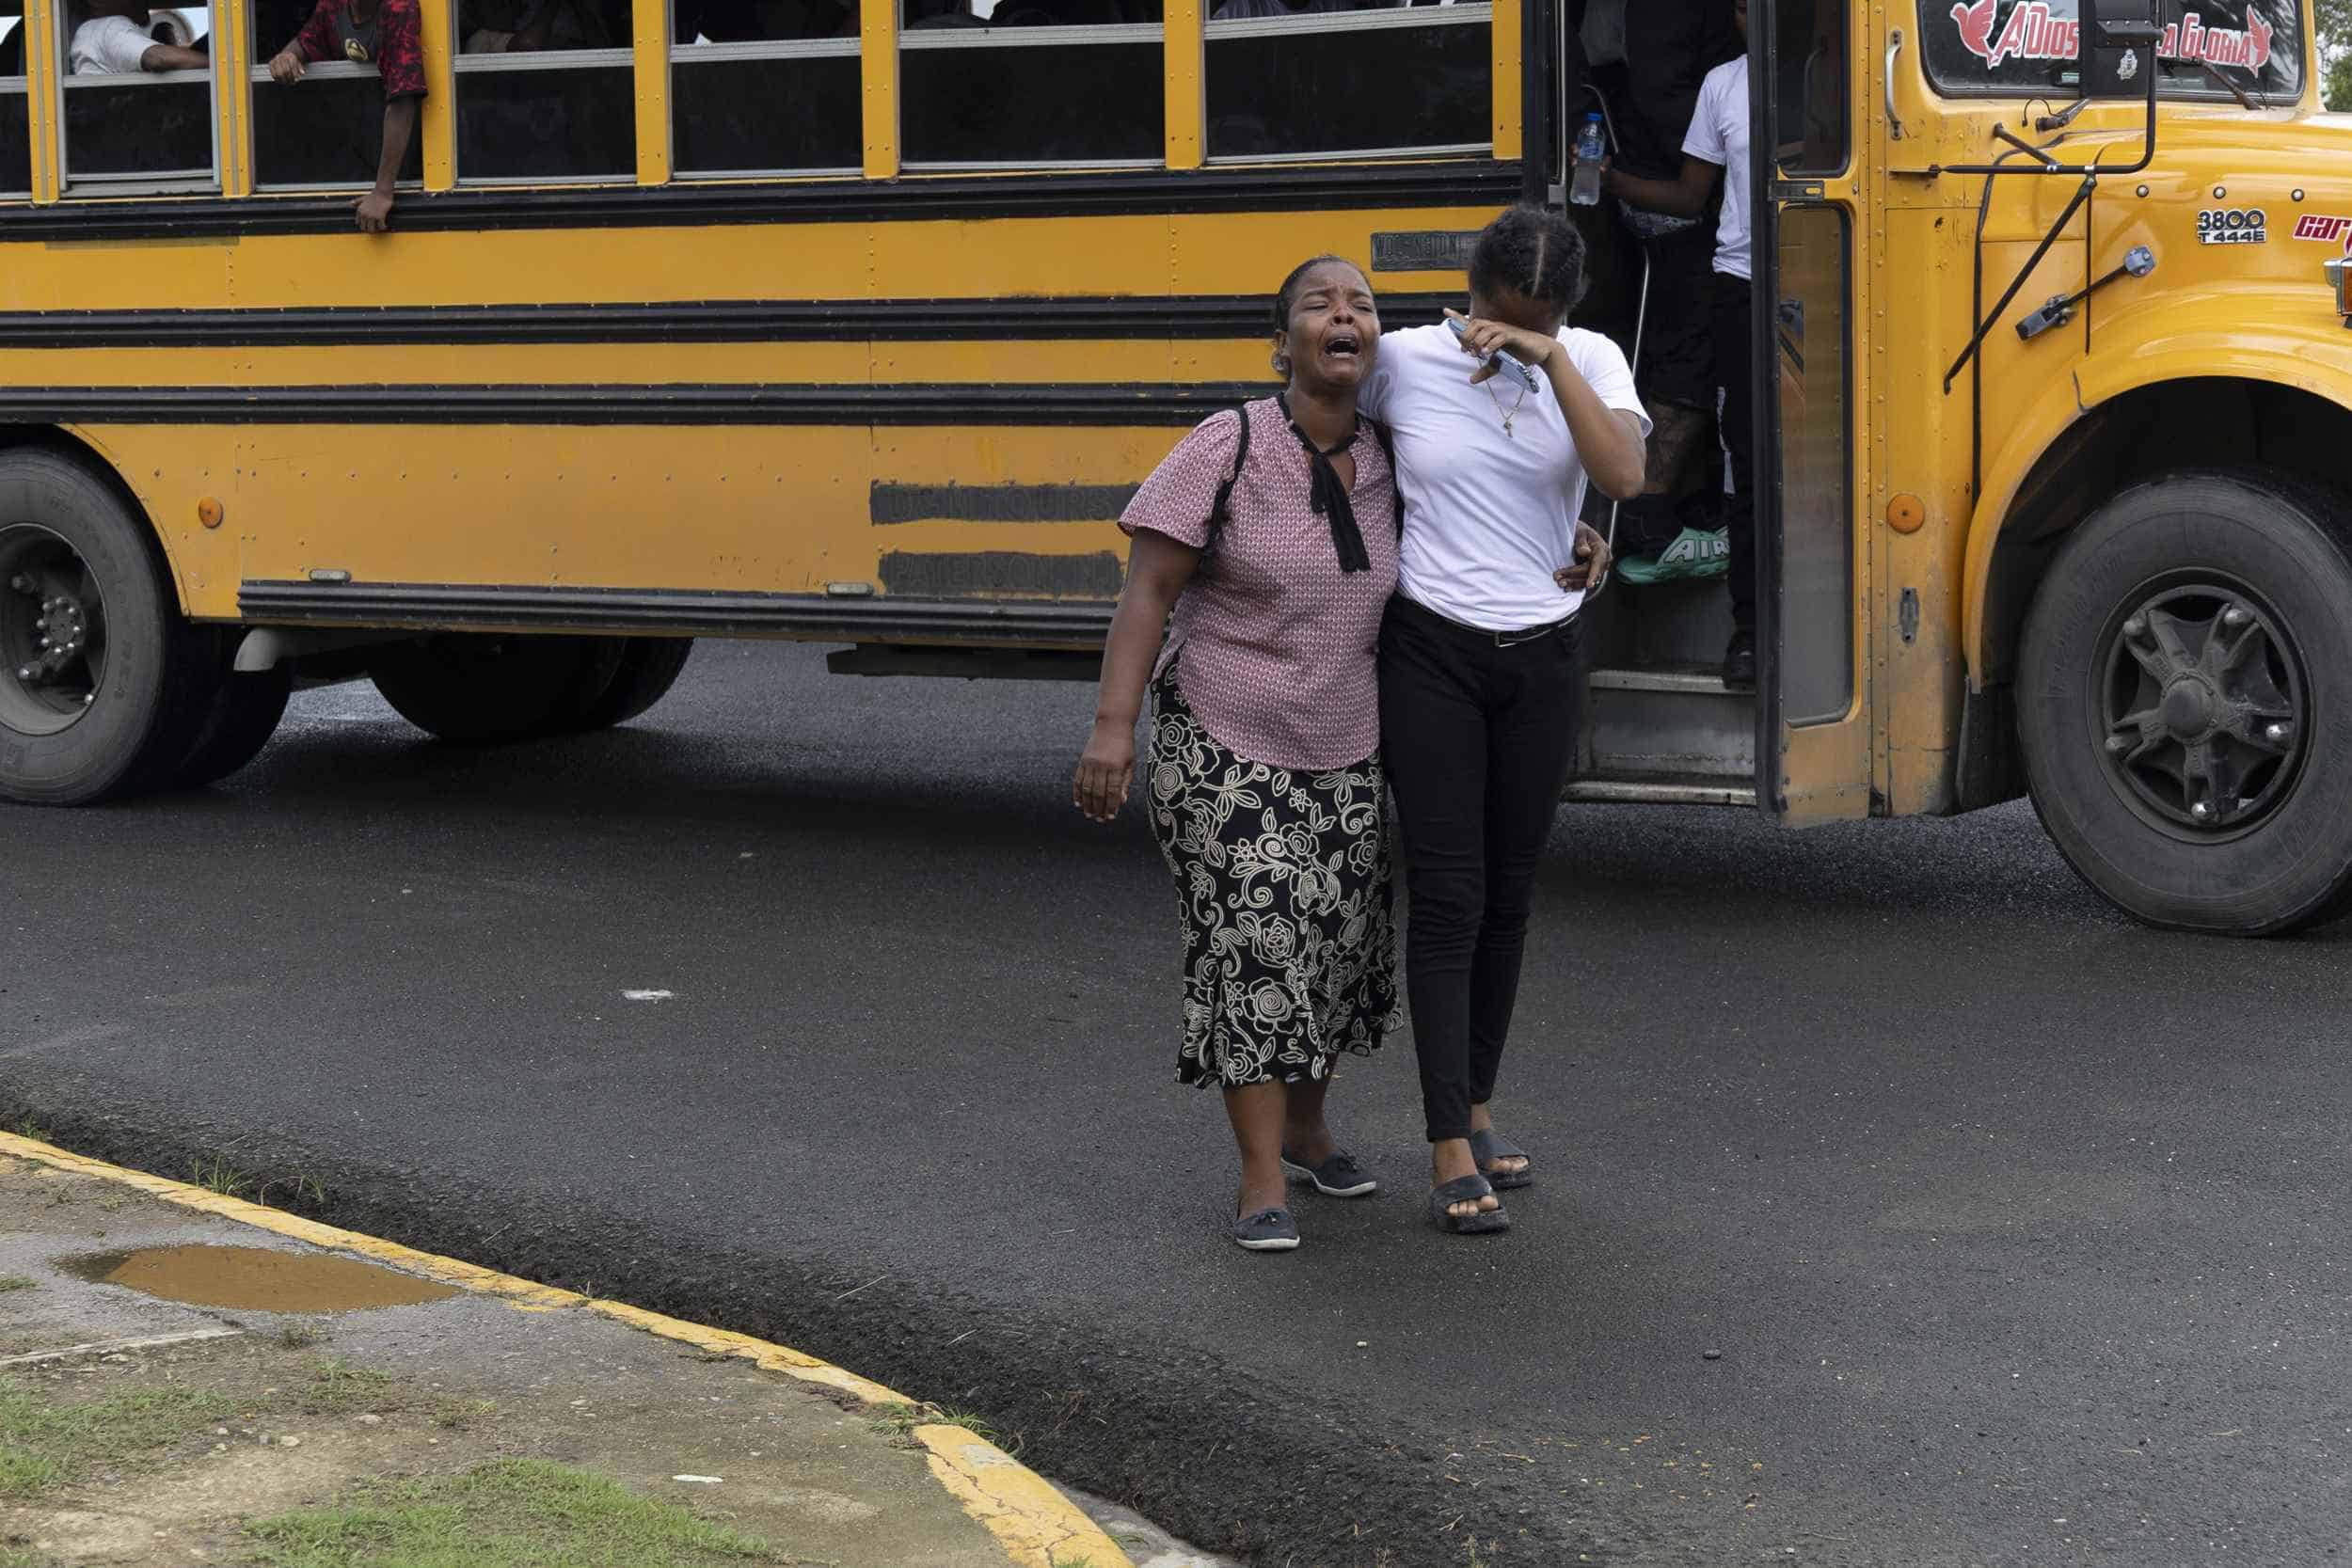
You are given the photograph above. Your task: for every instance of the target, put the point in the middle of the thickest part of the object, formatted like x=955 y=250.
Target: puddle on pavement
x=257 y=1279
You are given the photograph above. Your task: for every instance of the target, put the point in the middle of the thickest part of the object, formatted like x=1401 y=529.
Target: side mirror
x=2118 y=47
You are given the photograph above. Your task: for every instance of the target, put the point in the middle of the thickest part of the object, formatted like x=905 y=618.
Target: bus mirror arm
x=2082 y=194
x=2046 y=165
x=2138 y=262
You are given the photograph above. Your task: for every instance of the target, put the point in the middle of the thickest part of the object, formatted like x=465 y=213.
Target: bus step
x=1659 y=789
x=1675 y=722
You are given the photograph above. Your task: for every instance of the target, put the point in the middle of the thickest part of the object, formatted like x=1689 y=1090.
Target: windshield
x=2029 y=46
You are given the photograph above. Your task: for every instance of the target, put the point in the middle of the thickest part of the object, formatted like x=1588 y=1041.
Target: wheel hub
x=52 y=632
x=2205 y=705
x=2189 y=707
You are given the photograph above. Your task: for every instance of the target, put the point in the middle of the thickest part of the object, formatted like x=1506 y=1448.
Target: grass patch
x=215 y=1174
x=899 y=1420
x=452 y=1414
x=42 y=1445
x=13 y=1282
x=339 y=1388
x=19 y=1557
x=515 y=1514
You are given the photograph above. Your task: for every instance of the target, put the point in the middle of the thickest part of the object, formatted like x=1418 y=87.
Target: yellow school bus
x=857 y=323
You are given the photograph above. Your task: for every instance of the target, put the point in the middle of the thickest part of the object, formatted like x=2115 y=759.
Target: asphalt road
x=2018 y=1230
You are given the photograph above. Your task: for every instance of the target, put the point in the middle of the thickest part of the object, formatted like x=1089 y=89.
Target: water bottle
x=1585 y=185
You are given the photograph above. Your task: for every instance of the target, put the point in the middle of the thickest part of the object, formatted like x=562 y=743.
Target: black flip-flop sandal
x=1338 y=1177
x=1465 y=1188
x=1489 y=1145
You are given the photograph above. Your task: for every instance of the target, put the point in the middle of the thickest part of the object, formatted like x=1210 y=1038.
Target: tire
x=241 y=719
x=2184 y=702
x=475 y=688
x=116 y=710
x=649 y=665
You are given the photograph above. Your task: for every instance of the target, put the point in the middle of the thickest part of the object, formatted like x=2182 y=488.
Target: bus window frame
x=462 y=65
x=852 y=48
x=204 y=182
x=1452 y=13
x=1106 y=34
x=20 y=87
x=323 y=70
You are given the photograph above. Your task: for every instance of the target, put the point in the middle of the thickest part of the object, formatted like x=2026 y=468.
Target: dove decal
x=1976 y=29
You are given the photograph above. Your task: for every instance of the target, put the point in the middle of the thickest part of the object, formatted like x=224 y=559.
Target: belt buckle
x=1513 y=638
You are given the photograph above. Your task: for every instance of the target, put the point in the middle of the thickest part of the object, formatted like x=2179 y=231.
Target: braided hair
x=1534 y=251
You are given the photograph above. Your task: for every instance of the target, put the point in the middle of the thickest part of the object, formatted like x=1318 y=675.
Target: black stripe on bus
x=997 y=503
x=985 y=574
x=881 y=618
x=776 y=320
x=1470 y=183
x=1110 y=403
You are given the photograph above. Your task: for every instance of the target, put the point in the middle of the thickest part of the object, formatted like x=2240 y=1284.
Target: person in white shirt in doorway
x=1716 y=148
x=116 y=40
x=1479 y=684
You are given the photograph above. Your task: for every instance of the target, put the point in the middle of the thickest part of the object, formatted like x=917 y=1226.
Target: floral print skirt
x=1282 y=878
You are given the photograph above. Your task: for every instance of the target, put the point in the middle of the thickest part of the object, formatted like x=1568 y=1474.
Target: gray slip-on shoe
x=1338 y=1177
x=1267 y=1231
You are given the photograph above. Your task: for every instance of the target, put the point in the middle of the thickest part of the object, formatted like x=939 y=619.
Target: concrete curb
x=1035 y=1525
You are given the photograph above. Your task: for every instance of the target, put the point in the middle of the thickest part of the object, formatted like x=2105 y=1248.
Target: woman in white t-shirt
x=1479 y=688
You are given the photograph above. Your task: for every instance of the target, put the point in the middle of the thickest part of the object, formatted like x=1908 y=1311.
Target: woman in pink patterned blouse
x=1271 y=532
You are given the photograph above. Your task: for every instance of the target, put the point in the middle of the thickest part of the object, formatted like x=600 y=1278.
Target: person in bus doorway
x=1479 y=683
x=1271 y=533
x=1716 y=150
x=119 y=38
x=384 y=33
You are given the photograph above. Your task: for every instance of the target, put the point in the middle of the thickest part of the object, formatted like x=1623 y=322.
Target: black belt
x=1510 y=639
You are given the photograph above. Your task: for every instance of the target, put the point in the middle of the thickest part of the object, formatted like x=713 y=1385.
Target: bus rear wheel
x=648 y=667
x=102 y=682
x=477 y=687
x=2184 y=702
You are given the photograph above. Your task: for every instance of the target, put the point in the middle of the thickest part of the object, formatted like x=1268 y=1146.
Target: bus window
x=1335 y=78
x=2017 y=48
x=765 y=89
x=1815 y=534
x=326 y=131
x=16 y=123
x=995 y=83
x=1812 y=54
x=545 y=91
x=138 y=97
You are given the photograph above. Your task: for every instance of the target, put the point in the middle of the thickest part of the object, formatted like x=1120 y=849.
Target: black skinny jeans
x=1477 y=739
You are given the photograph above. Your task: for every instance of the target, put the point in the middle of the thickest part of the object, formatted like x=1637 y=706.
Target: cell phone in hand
x=1500 y=359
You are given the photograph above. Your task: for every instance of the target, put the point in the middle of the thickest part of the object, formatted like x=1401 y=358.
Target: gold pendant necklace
x=1508 y=414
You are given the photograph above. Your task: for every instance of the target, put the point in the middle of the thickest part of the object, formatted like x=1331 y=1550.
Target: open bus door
x=1813 y=718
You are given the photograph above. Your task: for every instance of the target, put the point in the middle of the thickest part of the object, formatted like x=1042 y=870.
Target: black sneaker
x=1739 y=661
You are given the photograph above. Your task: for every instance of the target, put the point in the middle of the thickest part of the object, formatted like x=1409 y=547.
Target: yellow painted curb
x=1037 y=1526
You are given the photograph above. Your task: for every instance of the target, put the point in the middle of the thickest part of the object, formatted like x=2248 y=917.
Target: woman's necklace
x=1508 y=414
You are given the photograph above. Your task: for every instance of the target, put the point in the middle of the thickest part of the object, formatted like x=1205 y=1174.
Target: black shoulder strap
x=1388 y=449
x=1225 y=490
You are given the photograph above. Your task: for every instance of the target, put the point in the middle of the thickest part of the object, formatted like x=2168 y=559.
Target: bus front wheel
x=102 y=682
x=2184 y=702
